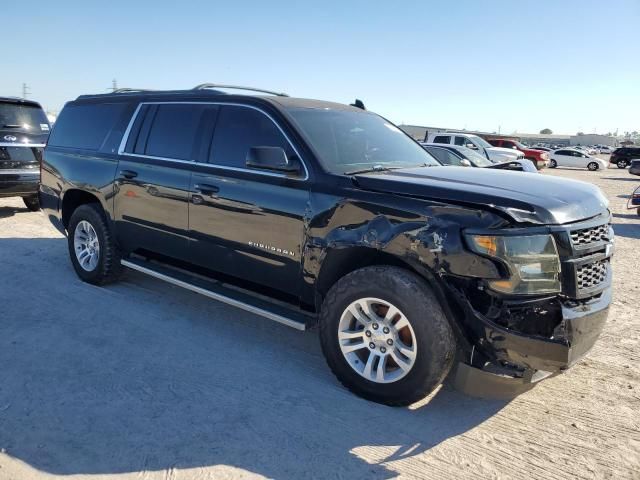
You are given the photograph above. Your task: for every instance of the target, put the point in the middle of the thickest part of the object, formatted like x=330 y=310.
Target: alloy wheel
x=377 y=340
x=86 y=246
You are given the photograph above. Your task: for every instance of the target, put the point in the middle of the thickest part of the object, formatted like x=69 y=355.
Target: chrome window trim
x=127 y=132
x=30 y=145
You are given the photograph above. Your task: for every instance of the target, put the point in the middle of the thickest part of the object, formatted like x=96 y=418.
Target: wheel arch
x=72 y=199
x=339 y=262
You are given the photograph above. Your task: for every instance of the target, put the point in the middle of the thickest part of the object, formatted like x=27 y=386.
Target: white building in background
x=593 y=139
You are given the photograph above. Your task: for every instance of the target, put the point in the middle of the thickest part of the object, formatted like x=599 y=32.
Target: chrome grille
x=592 y=274
x=587 y=236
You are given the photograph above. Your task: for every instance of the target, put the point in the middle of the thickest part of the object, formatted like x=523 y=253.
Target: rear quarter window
x=86 y=126
x=442 y=139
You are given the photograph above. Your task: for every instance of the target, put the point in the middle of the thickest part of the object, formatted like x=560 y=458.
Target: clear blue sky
x=521 y=65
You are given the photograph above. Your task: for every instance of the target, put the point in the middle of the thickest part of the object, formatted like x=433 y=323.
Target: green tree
x=546 y=131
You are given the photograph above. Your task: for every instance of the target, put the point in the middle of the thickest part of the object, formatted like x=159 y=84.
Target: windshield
x=23 y=117
x=347 y=141
x=477 y=159
x=480 y=141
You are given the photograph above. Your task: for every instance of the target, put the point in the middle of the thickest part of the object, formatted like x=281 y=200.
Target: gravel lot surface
x=144 y=380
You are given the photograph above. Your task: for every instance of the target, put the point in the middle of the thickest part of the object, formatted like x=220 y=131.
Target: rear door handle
x=206 y=189
x=128 y=174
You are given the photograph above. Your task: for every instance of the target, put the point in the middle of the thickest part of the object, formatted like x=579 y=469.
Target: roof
x=209 y=94
x=18 y=100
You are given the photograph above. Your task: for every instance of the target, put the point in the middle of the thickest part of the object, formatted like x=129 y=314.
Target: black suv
x=24 y=129
x=622 y=156
x=315 y=213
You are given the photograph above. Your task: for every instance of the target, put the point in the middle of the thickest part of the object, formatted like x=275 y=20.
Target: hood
x=524 y=197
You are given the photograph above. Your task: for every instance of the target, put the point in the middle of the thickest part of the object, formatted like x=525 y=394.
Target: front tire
x=593 y=166
x=385 y=335
x=94 y=254
x=32 y=203
x=622 y=164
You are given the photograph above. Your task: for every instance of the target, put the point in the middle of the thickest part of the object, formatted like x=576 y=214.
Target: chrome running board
x=222 y=293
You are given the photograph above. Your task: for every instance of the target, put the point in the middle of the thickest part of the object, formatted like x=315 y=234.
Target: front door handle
x=129 y=174
x=206 y=189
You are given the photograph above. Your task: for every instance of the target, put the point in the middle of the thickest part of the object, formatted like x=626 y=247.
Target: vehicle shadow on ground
x=6 y=212
x=141 y=376
x=629 y=230
x=626 y=179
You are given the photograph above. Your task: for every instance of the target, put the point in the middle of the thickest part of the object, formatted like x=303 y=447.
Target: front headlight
x=544 y=156
x=532 y=262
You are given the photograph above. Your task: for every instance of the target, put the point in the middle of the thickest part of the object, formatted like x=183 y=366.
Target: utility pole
x=114 y=85
x=25 y=90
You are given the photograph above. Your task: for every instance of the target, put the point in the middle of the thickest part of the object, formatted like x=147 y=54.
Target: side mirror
x=271 y=158
x=465 y=163
x=471 y=146
x=514 y=147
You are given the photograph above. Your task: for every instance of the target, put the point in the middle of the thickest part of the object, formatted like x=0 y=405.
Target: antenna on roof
x=358 y=104
x=206 y=86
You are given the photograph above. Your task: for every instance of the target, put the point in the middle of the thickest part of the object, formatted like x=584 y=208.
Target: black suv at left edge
x=24 y=129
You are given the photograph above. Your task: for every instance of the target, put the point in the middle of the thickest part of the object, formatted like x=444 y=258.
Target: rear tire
x=92 y=248
x=424 y=345
x=32 y=203
x=593 y=166
x=553 y=164
x=622 y=164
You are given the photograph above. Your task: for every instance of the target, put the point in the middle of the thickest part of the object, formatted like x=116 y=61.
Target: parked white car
x=480 y=145
x=606 y=149
x=571 y=157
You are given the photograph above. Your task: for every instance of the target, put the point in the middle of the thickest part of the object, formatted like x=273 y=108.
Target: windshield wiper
x=382 y=168
x=373 y=168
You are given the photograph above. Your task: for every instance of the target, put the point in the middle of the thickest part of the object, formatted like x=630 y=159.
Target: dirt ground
x=144 y=380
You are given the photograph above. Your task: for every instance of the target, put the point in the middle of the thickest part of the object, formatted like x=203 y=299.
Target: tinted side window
x=461 y=141
x=174 y=130
x=240 y=128
x=85 y=126
x=441 y=139
x=562 y=152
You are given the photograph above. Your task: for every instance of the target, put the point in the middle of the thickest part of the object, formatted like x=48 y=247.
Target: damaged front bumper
x=520 y=360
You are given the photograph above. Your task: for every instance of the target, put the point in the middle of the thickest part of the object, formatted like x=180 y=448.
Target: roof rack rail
x=130 y=90
x=205 y=86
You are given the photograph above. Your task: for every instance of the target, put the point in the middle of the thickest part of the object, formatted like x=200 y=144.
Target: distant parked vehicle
x=24 y=129
x=635 y=167
x=605 y=149
x=571 y=157
x=544 y=149
x=622 y=156
x=539 y=157
x=634 y=201
x=587 y=150
x=474 y=142
x=454 y=155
